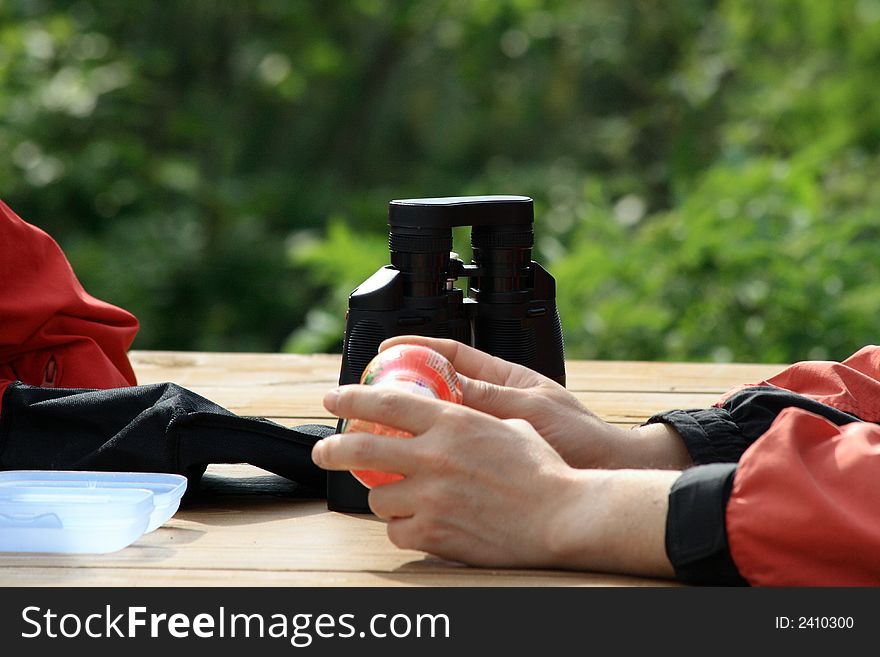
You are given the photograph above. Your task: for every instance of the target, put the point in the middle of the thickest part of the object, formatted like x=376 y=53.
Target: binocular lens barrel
x=423 y=257
x=504 y=255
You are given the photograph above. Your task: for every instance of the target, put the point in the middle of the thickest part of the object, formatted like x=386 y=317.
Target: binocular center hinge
x=457 y=269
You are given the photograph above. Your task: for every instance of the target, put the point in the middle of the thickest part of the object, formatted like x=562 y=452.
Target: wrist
x=660 y=447
x=612 y=521
x=574 y=530
x=651 y=446
x=603 y=446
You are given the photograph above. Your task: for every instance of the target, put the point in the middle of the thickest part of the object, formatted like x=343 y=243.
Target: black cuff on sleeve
x=696 y=535
x=710 y=435
x=721 y=435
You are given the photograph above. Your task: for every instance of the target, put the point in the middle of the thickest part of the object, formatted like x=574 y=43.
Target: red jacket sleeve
x=52 y=332
x=805 y=504
x=852 y=386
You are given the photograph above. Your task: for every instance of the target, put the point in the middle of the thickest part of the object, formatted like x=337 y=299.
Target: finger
x=472 y=362
x=403 y=532
x=364 y=451
x=500 y=401
x=395 y=500
x=396 y=408
x=418 y=533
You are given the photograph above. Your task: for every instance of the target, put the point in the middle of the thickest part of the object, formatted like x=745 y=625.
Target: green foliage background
x=705 y=171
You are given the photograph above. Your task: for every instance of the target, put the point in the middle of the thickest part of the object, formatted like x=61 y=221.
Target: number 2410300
x=815 y=622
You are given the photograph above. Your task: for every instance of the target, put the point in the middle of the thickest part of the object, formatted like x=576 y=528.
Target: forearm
x=653 y=446
x=614 y=521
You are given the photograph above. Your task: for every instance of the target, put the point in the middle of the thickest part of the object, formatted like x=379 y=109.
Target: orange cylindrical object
x=413 y=368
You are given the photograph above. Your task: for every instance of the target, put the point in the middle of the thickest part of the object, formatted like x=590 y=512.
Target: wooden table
x=251 y=528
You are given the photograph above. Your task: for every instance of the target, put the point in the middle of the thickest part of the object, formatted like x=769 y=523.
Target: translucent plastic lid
x=62 y=511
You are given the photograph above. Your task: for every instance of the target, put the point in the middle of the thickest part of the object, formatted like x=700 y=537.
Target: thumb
x=500 y=401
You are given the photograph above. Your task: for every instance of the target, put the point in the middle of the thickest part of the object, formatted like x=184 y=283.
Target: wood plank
x=248 y=526
x=289 y=387
x=218 y=368
x=260 y=535
x=663 y=377
x=302 y=403
x=134 y=577
x=233 y=369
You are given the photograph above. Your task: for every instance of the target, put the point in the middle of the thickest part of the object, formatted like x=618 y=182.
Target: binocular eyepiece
x=510 y=308
x=502 y=236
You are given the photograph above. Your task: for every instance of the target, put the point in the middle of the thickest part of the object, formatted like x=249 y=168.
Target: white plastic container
x=83 y=512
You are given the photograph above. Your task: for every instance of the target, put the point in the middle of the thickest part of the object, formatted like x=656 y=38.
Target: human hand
x=477 y=489
x=507 y=391
x=492 y=492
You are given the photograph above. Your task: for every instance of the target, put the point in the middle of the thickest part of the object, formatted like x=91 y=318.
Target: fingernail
x=318 y=453
x=331 y=400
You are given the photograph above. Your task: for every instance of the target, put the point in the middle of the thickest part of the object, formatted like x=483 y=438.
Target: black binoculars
x=509 y=312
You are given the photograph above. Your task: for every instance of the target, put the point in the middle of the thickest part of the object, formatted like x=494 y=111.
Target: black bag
x=151 y=428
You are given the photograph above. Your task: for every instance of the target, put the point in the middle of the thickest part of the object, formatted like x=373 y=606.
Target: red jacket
x=52 y=332
x=805 y=504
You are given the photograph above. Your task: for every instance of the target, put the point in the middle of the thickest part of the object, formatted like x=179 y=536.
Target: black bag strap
x=151 y=428
x=203 y=438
